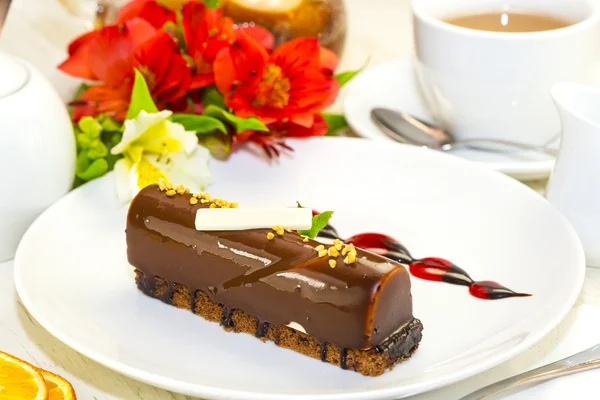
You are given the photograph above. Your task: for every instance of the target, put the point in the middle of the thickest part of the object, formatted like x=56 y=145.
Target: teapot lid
x=13 y=75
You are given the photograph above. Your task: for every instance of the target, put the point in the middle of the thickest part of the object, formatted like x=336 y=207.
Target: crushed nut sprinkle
x=350 y=258
x=349 y=248
x=212 y=205
x=337 y=243
x=322 y=253
x=180 y=189
x=278 y=230
x=171 y=193
x=332 y=251
x=161 y=185
x=270 y=236
x=320 y=247
x=193 y=200
x=332 y=263
x=305 y=239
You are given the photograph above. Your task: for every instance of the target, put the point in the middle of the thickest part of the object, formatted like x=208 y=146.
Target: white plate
x=393 y=85
x=72 y=274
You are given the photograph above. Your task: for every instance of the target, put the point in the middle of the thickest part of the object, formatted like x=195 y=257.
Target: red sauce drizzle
x=430 y=268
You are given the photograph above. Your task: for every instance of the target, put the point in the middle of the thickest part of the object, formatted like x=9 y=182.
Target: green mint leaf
x=87 y=170
x=201 y=124
x=345 y=77
x=319 y=222
x=239 y=124
x=212 y=97
x=141 y=99
x=335 y=123
x=299 y=205
x=90 y=126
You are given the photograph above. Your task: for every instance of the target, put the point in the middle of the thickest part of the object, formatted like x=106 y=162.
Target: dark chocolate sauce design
x=324 y=351
x=261 y=329
x=430 y=268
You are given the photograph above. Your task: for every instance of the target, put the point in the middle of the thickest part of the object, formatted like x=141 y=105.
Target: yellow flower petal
x=148 y=174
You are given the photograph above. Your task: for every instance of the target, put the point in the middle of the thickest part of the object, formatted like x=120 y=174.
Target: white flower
x=155 y=147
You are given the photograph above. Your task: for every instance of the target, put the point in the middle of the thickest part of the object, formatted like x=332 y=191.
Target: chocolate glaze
x=279 y=281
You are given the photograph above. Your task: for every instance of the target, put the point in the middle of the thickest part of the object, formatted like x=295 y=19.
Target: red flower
x=91 y=55
x=289 y=86
x=262 y=35
x=272 y=141
x=149 y=10
x=165 y=70
x=206 y=33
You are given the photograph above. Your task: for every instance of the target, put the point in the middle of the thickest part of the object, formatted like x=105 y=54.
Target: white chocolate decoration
x=237 y=219
x=296 y=326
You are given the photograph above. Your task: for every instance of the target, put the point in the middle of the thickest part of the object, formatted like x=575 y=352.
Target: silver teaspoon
x=586 y=360
x=405 y=128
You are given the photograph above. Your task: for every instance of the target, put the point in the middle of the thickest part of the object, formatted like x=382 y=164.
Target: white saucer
x=394 y=85
x=72 y=274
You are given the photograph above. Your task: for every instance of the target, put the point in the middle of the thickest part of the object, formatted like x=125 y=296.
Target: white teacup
x=487 y=84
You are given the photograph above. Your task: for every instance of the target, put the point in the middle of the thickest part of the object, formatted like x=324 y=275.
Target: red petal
x=148 y=10
x=297 y=55
x=77 y=64
x=194 y=26
x=115 y=43
x=243 y=63
x=167 y=72
x=329 y=60
x=202 y=80
x=262 y=35
x=85 y=110
x=289 y=129
x=108 y=100
x=304 y=120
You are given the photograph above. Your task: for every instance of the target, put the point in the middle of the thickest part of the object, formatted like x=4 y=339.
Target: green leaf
x=97 y=150
x=87 y=170
x=90 y=126
x=239 y=124
x=218 y=144
x=80 y=90
x=212 y=97
x=345 y=77
x=83 y=140
x=141 y=99
x=201 y=124
x=211 y=3
x=319 y=222
x=299 y=205
x=335 y=123
x=109 y=124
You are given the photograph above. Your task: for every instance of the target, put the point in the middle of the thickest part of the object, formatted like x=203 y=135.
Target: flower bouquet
x=172 y=81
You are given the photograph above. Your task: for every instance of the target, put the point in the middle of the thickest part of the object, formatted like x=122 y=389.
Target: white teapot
x=37 y=149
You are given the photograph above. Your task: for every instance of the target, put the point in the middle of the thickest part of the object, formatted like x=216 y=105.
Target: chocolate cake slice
x=342 y=305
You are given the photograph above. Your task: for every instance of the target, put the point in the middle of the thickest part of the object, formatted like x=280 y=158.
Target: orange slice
x=20 y=380
x=58 y=387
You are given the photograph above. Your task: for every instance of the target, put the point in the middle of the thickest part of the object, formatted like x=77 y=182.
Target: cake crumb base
x=368 y=362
